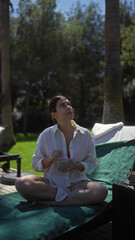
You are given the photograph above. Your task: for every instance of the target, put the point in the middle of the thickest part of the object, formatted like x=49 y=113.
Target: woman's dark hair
x=53 y=102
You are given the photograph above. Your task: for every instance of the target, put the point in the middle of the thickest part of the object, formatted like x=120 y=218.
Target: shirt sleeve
x=39 y=155
x=90 y=162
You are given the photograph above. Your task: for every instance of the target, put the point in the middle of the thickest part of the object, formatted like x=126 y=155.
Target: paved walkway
x=6 y=189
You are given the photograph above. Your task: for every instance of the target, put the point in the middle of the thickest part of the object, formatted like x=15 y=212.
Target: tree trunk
x=6 y=139
x=26 y=111
x=113 y=105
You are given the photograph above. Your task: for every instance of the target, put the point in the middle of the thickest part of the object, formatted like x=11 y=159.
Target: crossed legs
x=35 y=188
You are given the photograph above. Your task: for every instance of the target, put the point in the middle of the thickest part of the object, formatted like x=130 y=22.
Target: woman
x=64 y=140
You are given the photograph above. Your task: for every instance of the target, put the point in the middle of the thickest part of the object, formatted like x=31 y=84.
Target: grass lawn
x=25 y=146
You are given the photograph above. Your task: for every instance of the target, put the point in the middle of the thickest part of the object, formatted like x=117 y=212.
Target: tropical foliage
x=52 y=53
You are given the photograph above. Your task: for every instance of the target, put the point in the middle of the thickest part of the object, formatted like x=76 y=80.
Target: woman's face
x=64 y=111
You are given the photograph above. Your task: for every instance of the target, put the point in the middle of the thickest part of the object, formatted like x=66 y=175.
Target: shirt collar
x=78 y=128
x=55 y=128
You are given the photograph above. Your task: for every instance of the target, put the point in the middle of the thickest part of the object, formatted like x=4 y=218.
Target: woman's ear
x=53 y=115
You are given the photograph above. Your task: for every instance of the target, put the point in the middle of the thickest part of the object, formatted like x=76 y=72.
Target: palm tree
x=113 y=105
x=7 y=138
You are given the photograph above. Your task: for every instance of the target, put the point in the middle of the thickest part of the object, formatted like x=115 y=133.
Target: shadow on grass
x=20 y=137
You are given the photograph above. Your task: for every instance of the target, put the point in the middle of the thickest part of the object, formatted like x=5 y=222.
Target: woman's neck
x=66 y=126
x=68 y=131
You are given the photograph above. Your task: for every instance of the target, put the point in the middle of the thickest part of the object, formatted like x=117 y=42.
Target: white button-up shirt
x=81 y=150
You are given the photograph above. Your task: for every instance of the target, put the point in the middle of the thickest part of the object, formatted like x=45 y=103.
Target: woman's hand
x=55 y=154
x=48 y=160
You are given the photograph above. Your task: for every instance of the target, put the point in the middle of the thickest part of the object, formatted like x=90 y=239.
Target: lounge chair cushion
x=19 y=220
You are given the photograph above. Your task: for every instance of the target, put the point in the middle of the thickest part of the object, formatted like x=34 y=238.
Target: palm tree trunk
x=7 y=139
x=26 y=110
x=113 y=105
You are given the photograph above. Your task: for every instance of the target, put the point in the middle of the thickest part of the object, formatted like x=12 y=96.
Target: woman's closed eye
x=65 y=104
